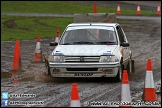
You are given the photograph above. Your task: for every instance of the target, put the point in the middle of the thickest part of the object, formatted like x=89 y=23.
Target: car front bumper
x=84 y=69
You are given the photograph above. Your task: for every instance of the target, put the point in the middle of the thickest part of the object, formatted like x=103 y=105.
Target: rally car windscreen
x=89 y=35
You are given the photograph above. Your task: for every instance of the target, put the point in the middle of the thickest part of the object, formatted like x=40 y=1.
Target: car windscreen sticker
x=110 y=28
x=70 y=28
x=90 y=27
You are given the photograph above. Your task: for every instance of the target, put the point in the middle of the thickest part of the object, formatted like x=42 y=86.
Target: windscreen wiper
x=106 y=42
x=83 y=42
x=68 y=43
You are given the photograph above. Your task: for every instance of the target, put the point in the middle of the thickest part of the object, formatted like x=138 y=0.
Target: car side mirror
x=53 y=43
x=124 y=44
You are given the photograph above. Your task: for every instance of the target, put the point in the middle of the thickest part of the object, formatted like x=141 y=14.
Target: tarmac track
x=144 y=36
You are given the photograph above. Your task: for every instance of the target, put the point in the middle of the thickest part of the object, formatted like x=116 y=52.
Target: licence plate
x=83 y=74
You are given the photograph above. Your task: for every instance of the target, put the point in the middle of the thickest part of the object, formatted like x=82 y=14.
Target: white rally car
x=91 y=50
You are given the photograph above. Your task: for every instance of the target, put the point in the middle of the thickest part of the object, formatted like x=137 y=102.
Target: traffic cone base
x=138 y=13
x=150 y=94
x=37 y=57
x=15 y=66
x=158 y=13
x=118 y=12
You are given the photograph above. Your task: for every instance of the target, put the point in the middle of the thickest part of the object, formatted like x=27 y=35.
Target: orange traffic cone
x=57 y=35
x=118 y=9
x=38 y=56
x=149 y=90
x=95 y=8
x=158 y=10
x=138 y=10
x=17 y=60
x=75 y=102
x=125 y=90
x=110 y=21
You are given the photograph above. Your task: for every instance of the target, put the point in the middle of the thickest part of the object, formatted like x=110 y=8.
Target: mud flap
x=132 y=66
x=47 y=64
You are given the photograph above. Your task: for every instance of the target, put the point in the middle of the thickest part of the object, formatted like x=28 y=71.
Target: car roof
x=97 y=24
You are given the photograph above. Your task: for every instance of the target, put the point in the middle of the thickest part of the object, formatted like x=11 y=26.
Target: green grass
x=25 y=28
x=59 y=7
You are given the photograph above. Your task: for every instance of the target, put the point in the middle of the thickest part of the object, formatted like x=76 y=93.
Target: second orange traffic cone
x=125 y=90
x=17 y=59
x=110 y=21
x=149 y=90
x=138 y=10
x=158 y=10
x=38 y=55
x=75 y=102
x=118 y=9
x=95 y=8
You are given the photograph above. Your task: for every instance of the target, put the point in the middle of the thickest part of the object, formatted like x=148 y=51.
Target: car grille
x=82 y=58
x=81 y=69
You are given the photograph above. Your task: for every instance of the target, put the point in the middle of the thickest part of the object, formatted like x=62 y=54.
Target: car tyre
x=49 y=72
x=118 y=77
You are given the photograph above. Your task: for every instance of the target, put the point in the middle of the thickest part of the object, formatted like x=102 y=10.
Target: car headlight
x=58 y=58
x=110 y=58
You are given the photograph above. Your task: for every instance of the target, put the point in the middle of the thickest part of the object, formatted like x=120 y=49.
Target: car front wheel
x=118 y=77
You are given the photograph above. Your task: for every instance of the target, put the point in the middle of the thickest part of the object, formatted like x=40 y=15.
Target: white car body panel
x=72 y=55
x=85 y=50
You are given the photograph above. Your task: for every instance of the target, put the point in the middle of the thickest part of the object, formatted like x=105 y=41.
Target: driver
x=81 y=34
x=106 y=35
x=103 y=35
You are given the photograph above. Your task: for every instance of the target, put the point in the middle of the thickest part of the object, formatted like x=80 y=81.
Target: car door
x=122 y=38
x=127 y=48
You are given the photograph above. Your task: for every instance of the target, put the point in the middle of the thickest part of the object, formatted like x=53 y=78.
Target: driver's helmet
x=103 y=34
x=81 y=33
